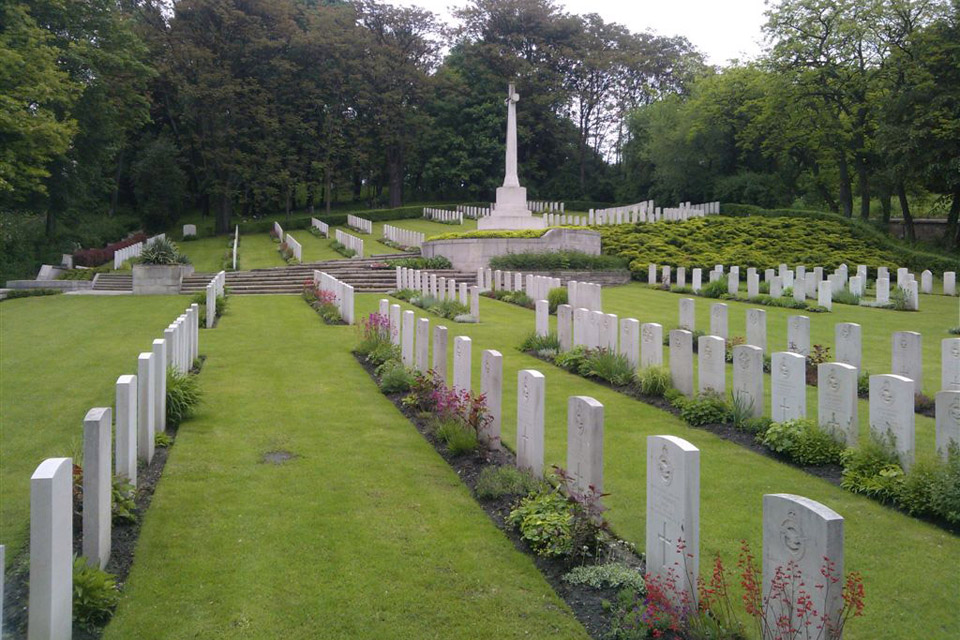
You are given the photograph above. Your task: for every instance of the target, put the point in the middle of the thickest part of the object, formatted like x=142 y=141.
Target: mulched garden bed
x=587 y=603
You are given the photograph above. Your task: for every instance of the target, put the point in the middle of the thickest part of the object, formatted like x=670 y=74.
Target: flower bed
x=323 y=302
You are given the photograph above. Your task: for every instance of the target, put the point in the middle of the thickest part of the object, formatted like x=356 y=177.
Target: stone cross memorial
x=673 y=510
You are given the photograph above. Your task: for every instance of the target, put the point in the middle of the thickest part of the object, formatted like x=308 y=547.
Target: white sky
x=721 y=29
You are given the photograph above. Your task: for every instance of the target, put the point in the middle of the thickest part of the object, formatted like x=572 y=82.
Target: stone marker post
x=440 y=352
x=757 y=328
x=50 y=608
x=718 y=320
x=651 y=344
x=748 y=378
x=630 y=341
x=462 y=346
x=422 y=360
x=907 y=357
x=97 y=487
x=681 y=360
x=788 y=386
x=406 y=340
x=711 y=358
x=848 y=343
x=948 y=421
x=160 y=385
x=146 y=407
x=837 y=401
x=126 y=428
x=891 y=414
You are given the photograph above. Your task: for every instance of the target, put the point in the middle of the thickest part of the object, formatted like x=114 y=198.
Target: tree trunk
x=357 y=186
x=952 y=239
x=115 y=196
x=886 y=206
x=905 y=208
x=846 y=193
x=864 y=184
x=395 y=175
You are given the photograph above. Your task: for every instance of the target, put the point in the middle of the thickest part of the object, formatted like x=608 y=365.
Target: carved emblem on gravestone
x=675 y=342
x=903 y=342
x=647 y=334
x=845 y=330
x=718 y=311
x=955 y=410
x=579 y=420
x=754 y=317
x=885 y=394
x=526 y=390
x=784 y=369
x=707 y=350
x=955 y=350
x=744 y=359
x=486 y=367
x=665 y=466
x=792 y=536
x=833 y=381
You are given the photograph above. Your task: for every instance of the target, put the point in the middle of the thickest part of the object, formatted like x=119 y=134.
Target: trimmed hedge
x=761 y=241
x=557 y=261
x=458 y=235
x=908 y=256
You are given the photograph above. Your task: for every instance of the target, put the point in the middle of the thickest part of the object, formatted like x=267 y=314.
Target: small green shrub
x=571 y=360
x=341 y=249
x=714 y=289
x=845 y=296
x=496 y=482
x=556 y=297
x=612 y=575
x=899 y=299
x=706 y=408
x=162 y=439
x=537 y=343
x=608 y=365
x=545 y=520
x=124 y=507
x=945 y=488
x=383 y=352
x=803 y=442
x=863 y=384
x=95 y=595
x=438 y=262
x=394 y=377
x=757 y=426
x=674 y=396
x=459 y=235
x=653 y=381
x=162 y=252
x=459 y=438
x=741 y=410
x=872 y=469
x=954 y=331
x=183 y=396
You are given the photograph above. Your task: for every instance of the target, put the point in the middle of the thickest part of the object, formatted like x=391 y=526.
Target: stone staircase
x=290 y=280
x=113 y=282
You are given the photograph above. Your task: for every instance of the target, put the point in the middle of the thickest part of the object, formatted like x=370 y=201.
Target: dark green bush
x=438 y=262
x=162 y=252
x=556 y=297
x=803 y=442
x=394 y=377
x=845 y=296
x=873 y=470
x=557 y=261
x=95 y=595
x=545 y=521
x=757 y=426
x=13 y=294
x=714 y=289
x=496 y=482
x=183 y=396
x=705 y=408
x=124 y=508
x=536 y=343
x=607 y=365
x=459 y=438
x=571 y=360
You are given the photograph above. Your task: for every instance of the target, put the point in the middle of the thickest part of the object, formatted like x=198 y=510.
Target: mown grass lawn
x=316 y=248
x=59 y=357
x=206 y=254
x=909 y=566
x=366 y=533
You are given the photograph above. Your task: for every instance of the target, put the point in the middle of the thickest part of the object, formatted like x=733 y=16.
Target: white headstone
x=757 y=328
x=697 y=282
x=440 y=352
x=673 y=511
x=711 y=359
x=837 y=401
x=585 y=443
x=948 y=420
x=950 y=364
x=825 y=294
x=565 y=326
x=491 y=386
x=907 y=357
x=718 y=320
x=97 y=486
x=651 y=344
x=630 y=341
x=748 y=378
x=406 y=341
x=688 y=319
x=543 y=317
x=753 y=285
x=926 y=282
x=681 y=360
x=733 y=282
x=891 y=414
x=422 y=360
x=146 y=407
x=475 y=302
x=462 y=346
x=800 y=537
x=530 y=415
x=395 y=311
x=126 y=429
x=50 y=609
x=776 y=287
x=950 y=283
x=798 y=335
x=848 y=343
x=160 y=385
x=788 y=386
x=883 y=290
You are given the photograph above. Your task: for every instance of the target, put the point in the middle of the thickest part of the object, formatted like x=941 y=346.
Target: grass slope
x=758 y=241
x=367 y=533
x=206 y=254
x=61 y=355
x=908 y=565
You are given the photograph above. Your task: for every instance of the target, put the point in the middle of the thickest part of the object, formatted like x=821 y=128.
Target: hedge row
x=760 y=241
x=903 y=254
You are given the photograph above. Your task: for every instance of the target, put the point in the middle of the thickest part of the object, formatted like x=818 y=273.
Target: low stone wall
x=470 y=254
x=65 y=285
x=927 y=229
x=153 y=279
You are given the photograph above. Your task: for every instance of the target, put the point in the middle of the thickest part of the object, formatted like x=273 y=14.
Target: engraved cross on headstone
x=664 y=546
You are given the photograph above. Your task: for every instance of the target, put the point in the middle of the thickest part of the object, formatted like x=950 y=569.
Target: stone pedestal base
x=510 y=222
x=511 y=212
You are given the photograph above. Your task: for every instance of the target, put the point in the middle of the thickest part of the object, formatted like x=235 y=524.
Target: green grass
x=259 y=251
x=315 y=248
x=61 y=355
x=367 y=533
x=908 y=565
x=206 y=254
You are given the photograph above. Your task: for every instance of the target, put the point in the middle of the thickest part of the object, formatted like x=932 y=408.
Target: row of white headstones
x=350 y=242
x=342 y=293
x=139 y=413
x=539 y=206
x=474 y=213
x=891 y=396
x=534 y=286
x=642 y=212
x=403 y=237
x=360 y=224
x=441 y=288
x=443 y=215
x=320 y=226
x=798 y=532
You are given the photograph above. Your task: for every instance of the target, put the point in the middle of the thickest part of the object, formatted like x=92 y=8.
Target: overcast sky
x=721 y=29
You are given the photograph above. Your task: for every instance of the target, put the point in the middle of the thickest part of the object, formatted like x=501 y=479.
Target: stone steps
x=113 y=282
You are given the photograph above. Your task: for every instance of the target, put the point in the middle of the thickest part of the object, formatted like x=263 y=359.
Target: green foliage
x=845 y=296
x=183 y=396
x=714 y=289
x=95 y=595
x=437 y=262
x=537 y=343
x=653 y=381
x=159 y=183
x=526 y=233
x=556 y=261
x=496 y=482
x=556 y=297
x=899 y=299
x=162 y=439
x=381 y=352
x=803 y=442
x=13 y=294
x=459 y=438
x=607 y=365
x=611 y=575
x=394 y=377
x=341 y=249
x=872 y=469
x=123 y=504
x=571 y=360
x=706 y=408
x=545 y=521
x=162 y=252
x=741 y=410
x=518 y=298
x=757 y=426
